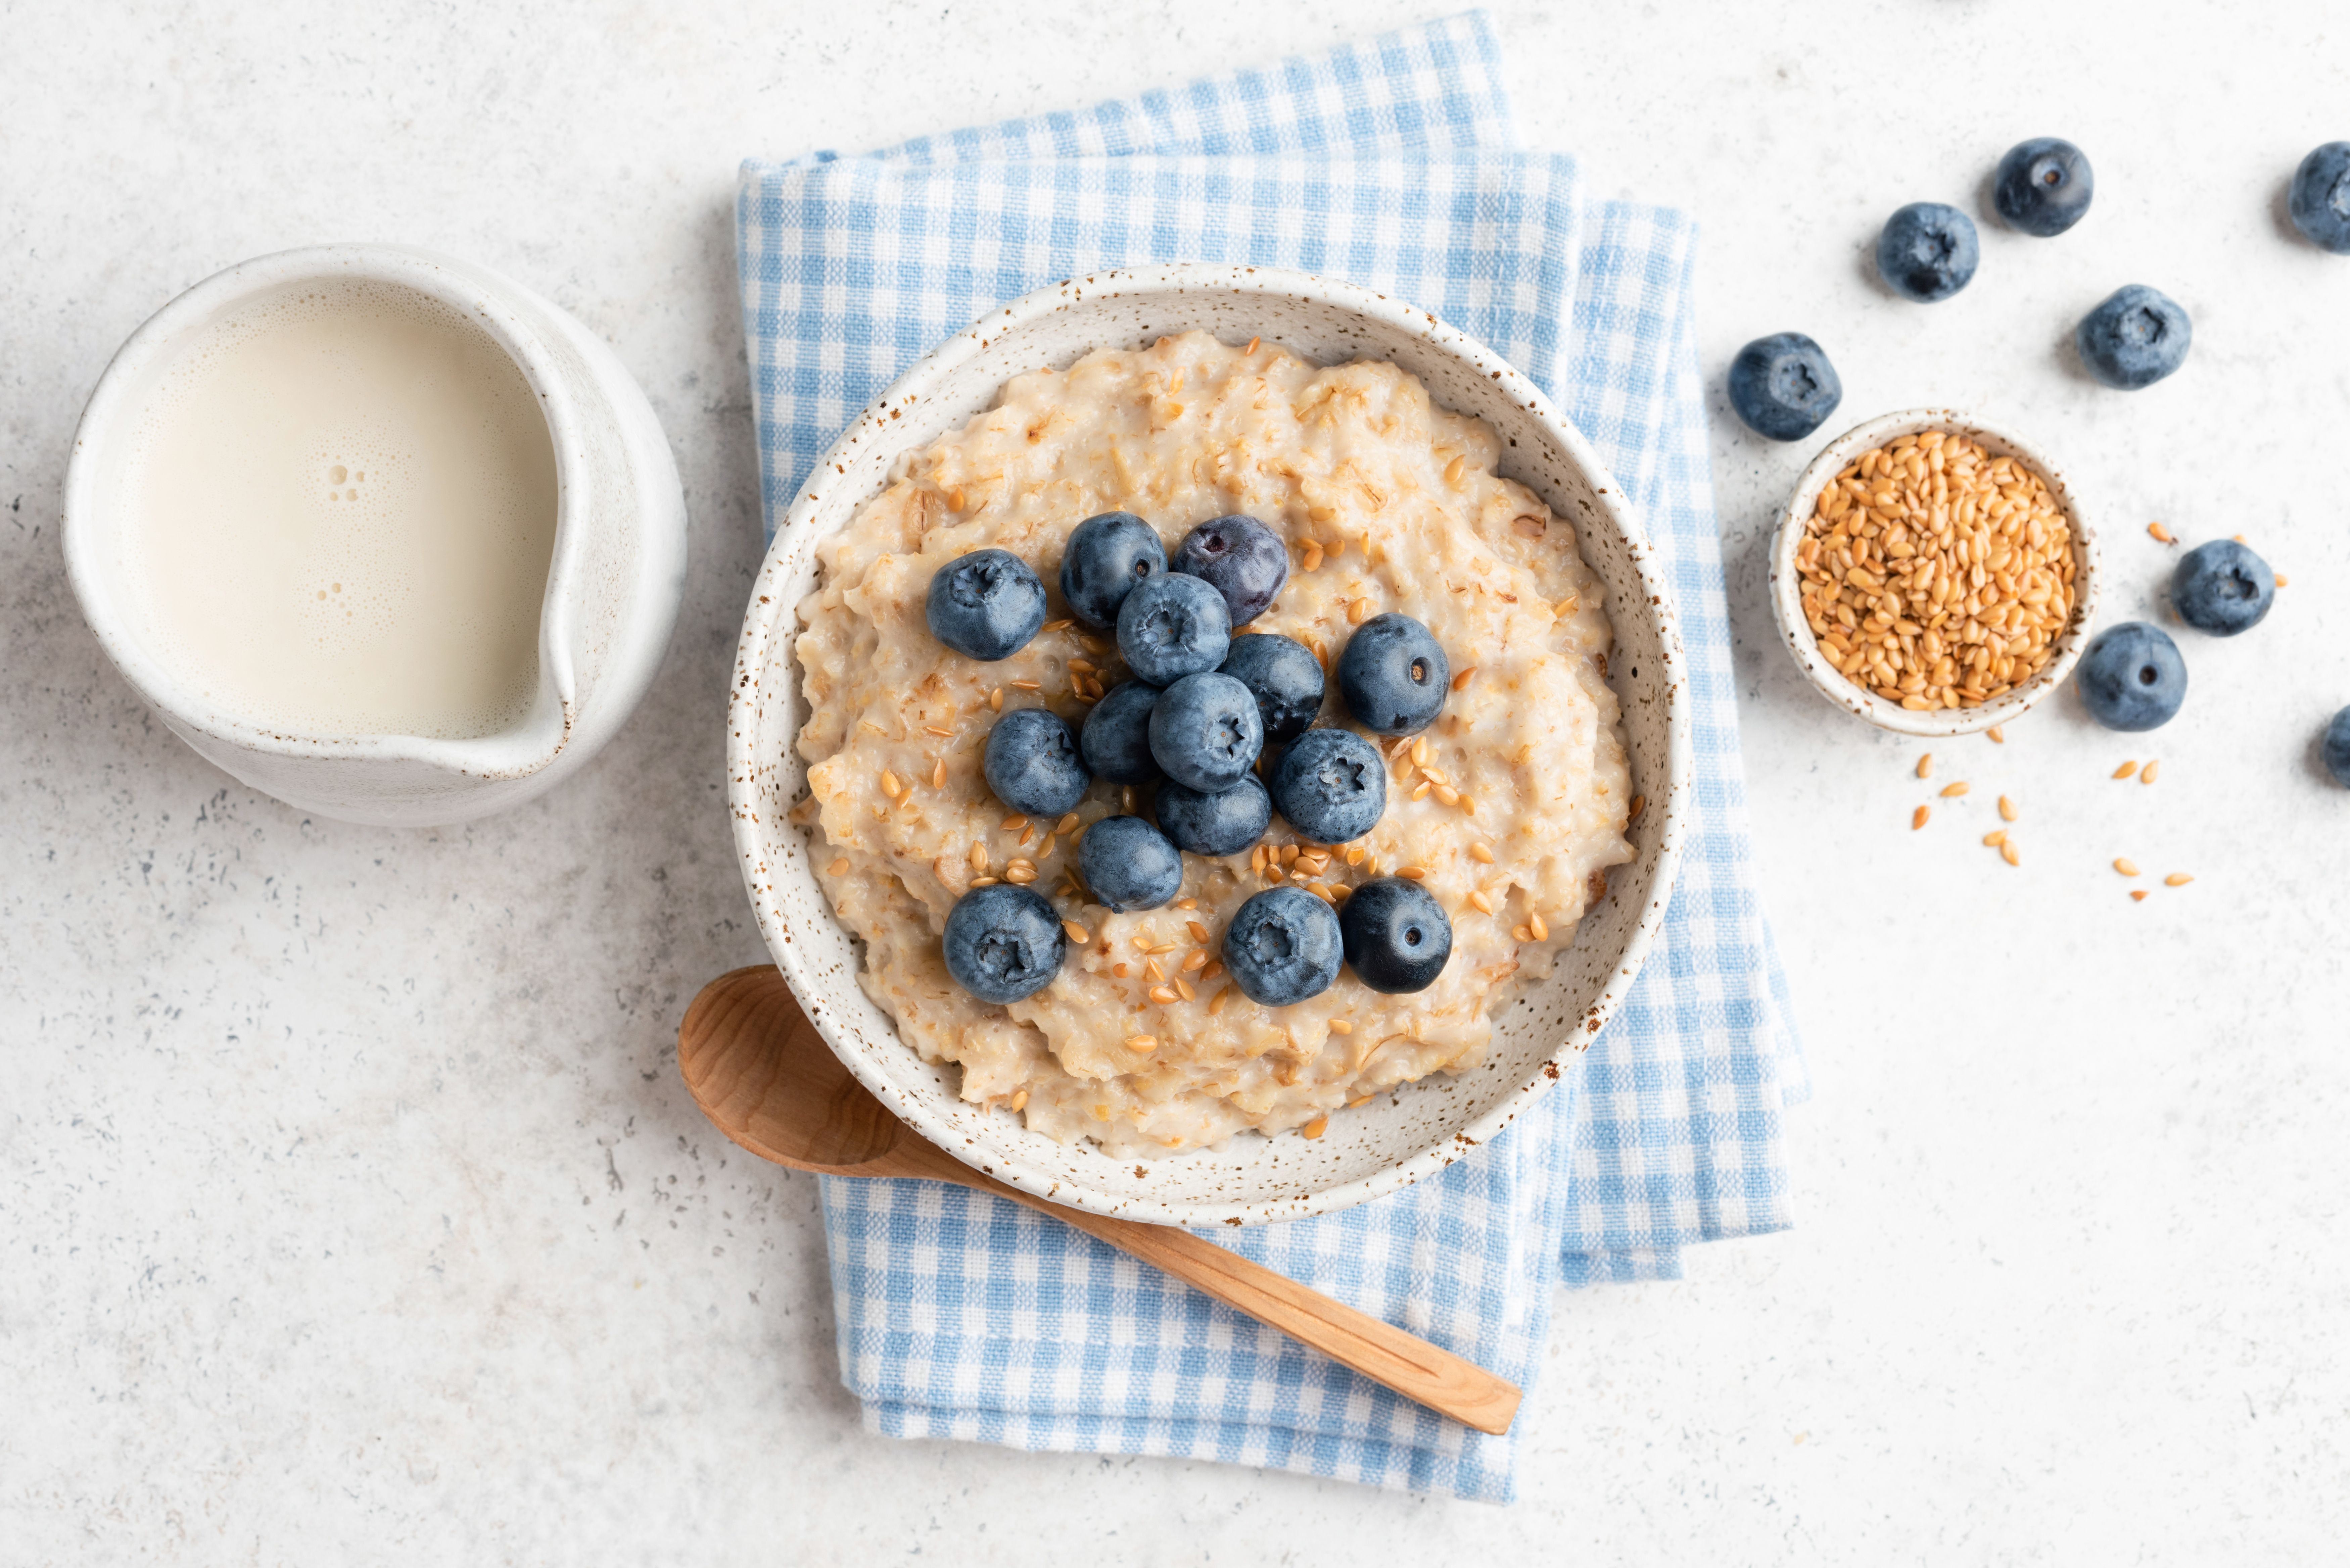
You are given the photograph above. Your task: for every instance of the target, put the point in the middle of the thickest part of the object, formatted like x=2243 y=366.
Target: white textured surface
x=350 y=1207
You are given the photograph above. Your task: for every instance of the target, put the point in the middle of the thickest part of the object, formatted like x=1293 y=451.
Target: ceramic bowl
x=613 y=585
x=1396 y=1140
x=1787 y=588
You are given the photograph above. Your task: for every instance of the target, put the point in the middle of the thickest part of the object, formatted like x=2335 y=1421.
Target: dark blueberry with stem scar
x=2043 y=186
x=1106 y=556
x=1002 y=944
x=2321 y=197
x=1282 y=945
x=1116 y=740
x=1783 y=386
x=1240 y=557
x=1332 y=786
x=1393 y=676
x=2222 y=587
x=1286 y=677
x=1397 y=935
x=1205 y=732
x=1224 y=823
x=1032 y=764
x=2135 y=337
x=1927 y=251
x=1171 y=625
x=2131 y=677
x=2334 y=747
x=1129 y=865
x=985 y=606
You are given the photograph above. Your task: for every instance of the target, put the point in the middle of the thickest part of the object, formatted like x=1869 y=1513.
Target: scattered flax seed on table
x=1997 y=736
x=1995 y=837
x=1315 y=1127
x=2280 y=579
x=2138 y=895
x=2007 y=851
x=2161 y=533
x=2146 y=773
x=2126 y=865
x=1926 y=766
x=1952 y=791
x=2006 y=809
x=1918 y=818
x=2177 y=879
x=2125 y=770
x=1936 y=576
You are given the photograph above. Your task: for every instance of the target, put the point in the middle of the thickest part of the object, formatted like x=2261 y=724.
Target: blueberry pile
x=1195 y=721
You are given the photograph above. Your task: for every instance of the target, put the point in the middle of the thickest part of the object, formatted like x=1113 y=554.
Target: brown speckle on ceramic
x=1787 y=592
x=1401 y=1136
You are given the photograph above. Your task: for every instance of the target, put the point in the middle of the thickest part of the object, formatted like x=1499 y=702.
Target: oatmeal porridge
x=1509 y=808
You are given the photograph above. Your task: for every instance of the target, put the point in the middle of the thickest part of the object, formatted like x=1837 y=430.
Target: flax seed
x=1952 y=791
x=1357 y=610
x=1216 y=1002
x=1340 y=1026
x=1215 y=970
x=2007 y=852
x=2146 y=773
x=1019 y=1100
x=1519 y=934
x=1482 y=852
x=1926 y=766
x=2177 y=879
x=985 y=881
x=1313 y=557
x=1640 y=805
x=942 y=734
x=2280 y=579
x=1534 y=924
x=2126 y=865
x=1315 y=1127
x=1997 y=735
x=1251 y=347
x=840 y=866
x=1076 y=933
x=1995 y=837
x=2006 y=809
x=1452 y=470
x=2161 y=534
x=2125 y=770
x=1162 y=994
x=978 y=855
x=1141 y=1045
x=1198 y=961
x=995 y=699
x=1920 y=817
x=1460 y=681
x=1409 y=874
x=2138 y=895
x=1484 y=905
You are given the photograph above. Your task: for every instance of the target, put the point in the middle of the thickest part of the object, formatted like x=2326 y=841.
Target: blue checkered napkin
x=961 y=1316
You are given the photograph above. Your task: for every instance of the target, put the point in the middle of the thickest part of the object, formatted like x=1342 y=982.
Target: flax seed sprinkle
x=2126 y=865
x=2146 y=773
x=2007 y=852
x=2177 y=879
x=838 y=866
x=1952 y=791
x=1998 y=736
x=2161 y=534
x=1995 y=837
x=1141 y=1045
x=1534 y=924
x=2006 y=809
x=1315 y=1127
x=1920 y=817
x=1926 y=766
x=2125 y=770
x=1076 y=932
x=2138 y=895
x=1340 y=1026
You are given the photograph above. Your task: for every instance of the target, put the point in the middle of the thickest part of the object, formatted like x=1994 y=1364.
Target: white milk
x=340 y=511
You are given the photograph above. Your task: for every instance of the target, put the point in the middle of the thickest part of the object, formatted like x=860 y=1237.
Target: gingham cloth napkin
x=1391 y=164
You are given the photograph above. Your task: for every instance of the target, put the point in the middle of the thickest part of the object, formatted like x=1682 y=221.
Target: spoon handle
x=1447 y=1384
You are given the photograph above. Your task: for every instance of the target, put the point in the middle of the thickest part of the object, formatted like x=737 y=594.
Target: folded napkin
x=1390 y=163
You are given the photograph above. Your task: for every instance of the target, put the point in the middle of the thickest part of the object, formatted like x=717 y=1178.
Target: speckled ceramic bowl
x=1365 y=1152
x=1787 y=588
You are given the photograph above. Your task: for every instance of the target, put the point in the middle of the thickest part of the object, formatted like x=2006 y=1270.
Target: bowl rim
x=772 y=613
x=1786 y=581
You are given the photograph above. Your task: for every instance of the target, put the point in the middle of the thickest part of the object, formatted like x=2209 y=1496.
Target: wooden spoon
x=766 y=1079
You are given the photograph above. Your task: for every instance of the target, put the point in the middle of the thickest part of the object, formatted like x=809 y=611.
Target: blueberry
x=2132 y=677
x=1285 y=678
x=1032 y=763
x=1238 y=556
x=1106 y=556
x=1172 y=626
x=1224 y=823
x=1397 y=935
x=2334 y=747
x=2321 y=197
x=2222 y=587
x=1116 y=737
x=985 y=605
x=2134 y=338
x=1205 y=732
x=1331 y=787
x=1783 y=386
x=2043 y=186
x=1002 y=944
x=1927 y=251
x=1128 y=863
x=1393 y=676
x=1282 y=945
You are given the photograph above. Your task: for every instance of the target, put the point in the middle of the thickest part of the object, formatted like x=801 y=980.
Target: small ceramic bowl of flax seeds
x=1933 y=574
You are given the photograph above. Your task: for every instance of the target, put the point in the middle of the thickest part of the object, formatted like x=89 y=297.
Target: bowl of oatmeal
x=1408 y=472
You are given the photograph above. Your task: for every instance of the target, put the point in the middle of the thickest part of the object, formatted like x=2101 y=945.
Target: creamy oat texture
x=1517 y=798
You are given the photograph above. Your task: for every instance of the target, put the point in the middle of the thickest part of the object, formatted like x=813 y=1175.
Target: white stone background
x=351 y=1211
